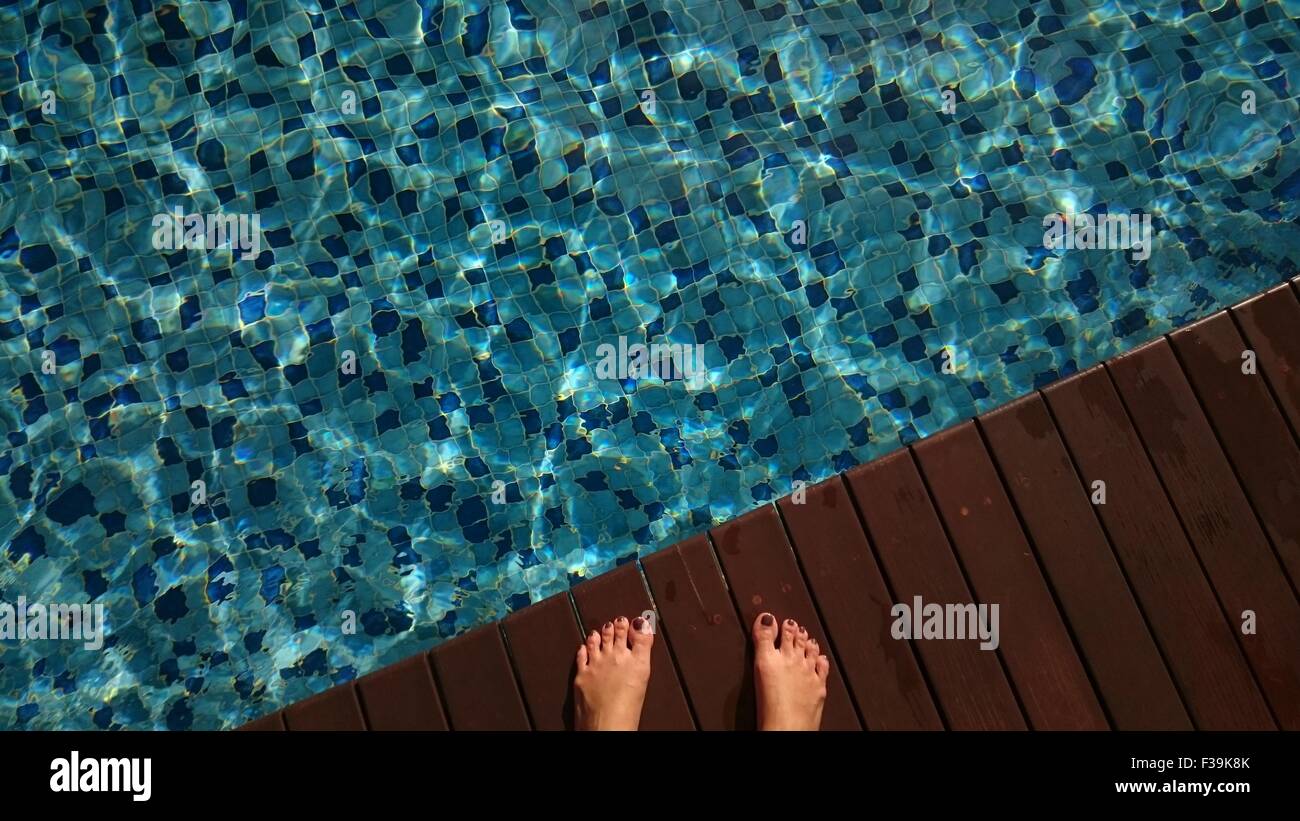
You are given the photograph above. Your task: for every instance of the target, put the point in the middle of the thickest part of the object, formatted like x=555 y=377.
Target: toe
x=823 y=667
x=642 y=636
x=789 y=632
x=620 y=633
x=582 y=656
x=765 y=630
x=811 y=649
x=801 y=645
x=607 y=636
x=593 y=646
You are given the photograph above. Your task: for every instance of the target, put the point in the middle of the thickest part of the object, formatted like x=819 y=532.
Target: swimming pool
x=389 y=404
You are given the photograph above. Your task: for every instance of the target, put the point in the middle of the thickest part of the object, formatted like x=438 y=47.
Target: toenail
x=609 y=624
x=790 y=622
x=767 y=619
x=637 y=622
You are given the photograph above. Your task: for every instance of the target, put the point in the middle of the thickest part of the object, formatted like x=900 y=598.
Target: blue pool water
x=380 y=144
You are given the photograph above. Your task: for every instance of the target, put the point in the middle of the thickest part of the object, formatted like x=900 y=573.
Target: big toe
x=765 y=631
x=642 y=636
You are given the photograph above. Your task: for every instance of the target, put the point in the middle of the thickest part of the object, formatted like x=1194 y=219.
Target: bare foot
x=613 y=670
x=790 y=679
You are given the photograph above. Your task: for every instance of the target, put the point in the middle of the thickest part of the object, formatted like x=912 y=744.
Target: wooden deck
x=1124 y=615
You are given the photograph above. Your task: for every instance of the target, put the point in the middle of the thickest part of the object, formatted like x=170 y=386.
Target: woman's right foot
x=613 y=672
x=790 y=678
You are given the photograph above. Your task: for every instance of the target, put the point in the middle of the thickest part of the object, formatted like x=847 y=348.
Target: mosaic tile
x=471 y=198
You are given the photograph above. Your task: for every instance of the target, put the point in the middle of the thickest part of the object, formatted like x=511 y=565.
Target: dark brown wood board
x=1269 y=322
x=764 y=577
x=1166 y=578
x=270 y=723
x=1002 y=569
x=969 y=684
x=1095 y=598
x=710 y=644
x=1249 y=426
x=854 y=601
x=477 y=683
x=402 y=696
x=541 y=637
x=1238 y=560
x=333 y=710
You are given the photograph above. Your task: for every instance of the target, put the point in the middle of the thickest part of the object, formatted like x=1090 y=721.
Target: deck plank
x=622 y=592
x=335 y=709
x=475 y=679
x=1185 y=619
x=969 y=683
x=1001 y=566
x=763 y=575
x=402 y=696
x=1240 y=564
x=1270 y=321
x=711 y=646
x=850 y=592
x=1250 y=427
x=269 y=723
x=544 y=640
x=1112 y=633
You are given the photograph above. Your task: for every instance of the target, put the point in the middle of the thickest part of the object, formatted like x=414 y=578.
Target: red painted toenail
x=609 y=624
x=767 y=619
x=636 y=623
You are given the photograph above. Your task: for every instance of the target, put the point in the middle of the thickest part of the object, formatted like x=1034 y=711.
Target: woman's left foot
x=790 y=679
